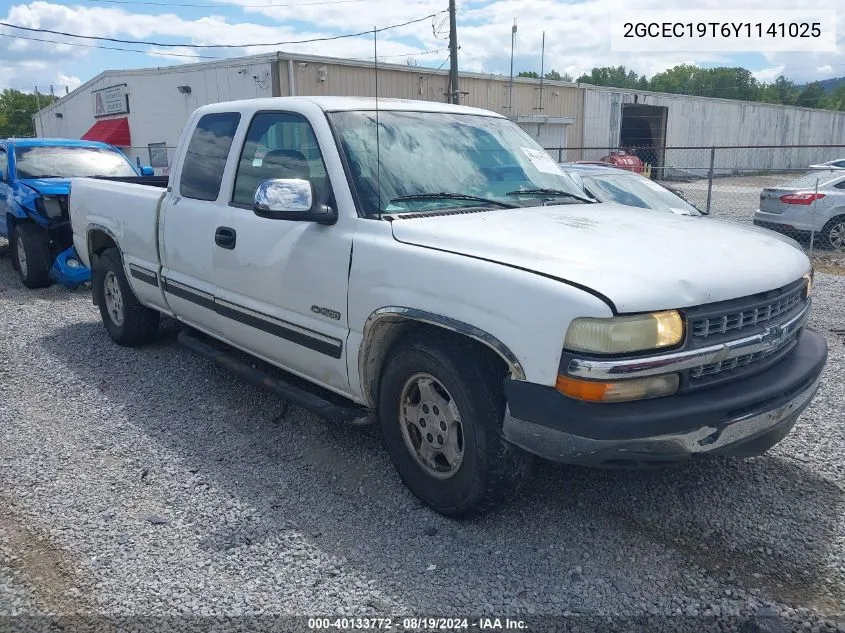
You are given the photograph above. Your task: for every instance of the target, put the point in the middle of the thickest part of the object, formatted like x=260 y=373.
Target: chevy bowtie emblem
x=773 y=335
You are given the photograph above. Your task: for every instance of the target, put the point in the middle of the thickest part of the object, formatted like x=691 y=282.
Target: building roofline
x=675 y=95
x=283 y=56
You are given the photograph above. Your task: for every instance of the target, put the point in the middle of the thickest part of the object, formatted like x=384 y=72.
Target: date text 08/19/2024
x=417 y=624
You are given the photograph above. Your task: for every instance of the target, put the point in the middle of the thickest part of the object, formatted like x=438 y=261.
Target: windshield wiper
x=558 y=193
x=443 y=195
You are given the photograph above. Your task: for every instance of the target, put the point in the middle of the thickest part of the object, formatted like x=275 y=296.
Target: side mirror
x=290 y=199
x=146 y=170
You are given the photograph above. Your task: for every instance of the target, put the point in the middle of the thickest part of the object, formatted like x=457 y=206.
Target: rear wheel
x=31 y=252
x=125 y=319
x=833 y=233
x=441 y=406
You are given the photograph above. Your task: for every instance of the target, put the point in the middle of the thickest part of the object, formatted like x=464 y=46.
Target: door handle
x=225 y=237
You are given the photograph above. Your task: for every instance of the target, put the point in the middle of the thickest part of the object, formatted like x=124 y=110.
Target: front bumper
x=68 y=275
x=745 y=417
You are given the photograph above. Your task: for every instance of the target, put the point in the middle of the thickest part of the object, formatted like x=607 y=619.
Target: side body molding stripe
x=305 y=337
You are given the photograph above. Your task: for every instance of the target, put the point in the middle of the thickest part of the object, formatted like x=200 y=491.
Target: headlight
x=619 y=391
x=49 y=206
x=618 y=335
x=809 y=289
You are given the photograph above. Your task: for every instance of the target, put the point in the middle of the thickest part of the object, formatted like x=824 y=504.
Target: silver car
x=607 y=183
x=814 y=203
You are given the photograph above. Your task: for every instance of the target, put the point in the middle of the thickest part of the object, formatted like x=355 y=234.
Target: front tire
x=127 y=321
x=441 y=405
x=31 y=253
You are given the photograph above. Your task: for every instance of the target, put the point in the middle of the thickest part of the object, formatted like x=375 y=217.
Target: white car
x=431 y=267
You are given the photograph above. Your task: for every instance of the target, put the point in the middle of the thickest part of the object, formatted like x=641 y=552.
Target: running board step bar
x=293 y=394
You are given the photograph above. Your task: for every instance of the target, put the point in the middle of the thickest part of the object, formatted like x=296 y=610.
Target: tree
x=618 y=77
x=836 y=99
x=528 y=73
x=680 y=79
x=16 y=110
x=812 y=96
x=782 y=91
x=554 y=75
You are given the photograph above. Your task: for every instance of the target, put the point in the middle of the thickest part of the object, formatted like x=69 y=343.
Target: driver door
x=282 y=284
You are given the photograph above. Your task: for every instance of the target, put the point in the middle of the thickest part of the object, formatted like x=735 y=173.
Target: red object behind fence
x=624 y=161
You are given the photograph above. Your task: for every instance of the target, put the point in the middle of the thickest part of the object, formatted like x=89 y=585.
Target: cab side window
x=205 y=159
x=4 y=165
x=279 y=145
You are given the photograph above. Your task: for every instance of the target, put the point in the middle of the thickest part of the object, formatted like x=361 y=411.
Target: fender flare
x=399 y=314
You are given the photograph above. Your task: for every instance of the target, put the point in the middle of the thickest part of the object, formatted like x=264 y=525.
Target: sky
x=577 y=36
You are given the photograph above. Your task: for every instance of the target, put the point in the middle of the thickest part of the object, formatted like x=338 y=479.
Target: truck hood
x=638 y=259
x=48 y=186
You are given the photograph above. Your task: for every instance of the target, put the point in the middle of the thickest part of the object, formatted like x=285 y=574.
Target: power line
x=428 y=52
x=439 y=68
x=247 y=45
x=109 y=48
x=225 y=6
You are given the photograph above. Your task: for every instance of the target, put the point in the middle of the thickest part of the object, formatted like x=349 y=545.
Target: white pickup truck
x=429 y=266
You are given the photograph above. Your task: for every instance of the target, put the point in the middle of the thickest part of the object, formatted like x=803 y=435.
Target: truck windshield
x=70 y=162
x=434 y=160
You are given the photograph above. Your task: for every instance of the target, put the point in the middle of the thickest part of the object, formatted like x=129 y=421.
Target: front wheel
x=127 y=321
x=441 y=406
x=31 y=251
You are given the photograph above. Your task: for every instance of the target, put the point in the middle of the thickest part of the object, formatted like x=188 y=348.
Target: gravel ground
x=147 y=482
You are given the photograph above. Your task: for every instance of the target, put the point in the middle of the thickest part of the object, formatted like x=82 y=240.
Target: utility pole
x=510 y=90
x=454 y=93
x=542 y=69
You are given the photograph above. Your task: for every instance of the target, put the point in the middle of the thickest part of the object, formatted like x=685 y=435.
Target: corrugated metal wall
x=489 y=92
x=702 y=122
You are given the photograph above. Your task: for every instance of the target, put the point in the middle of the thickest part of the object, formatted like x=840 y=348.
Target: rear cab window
x=205 y=158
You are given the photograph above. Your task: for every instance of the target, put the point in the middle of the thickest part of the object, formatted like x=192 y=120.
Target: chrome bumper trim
x=770 y=339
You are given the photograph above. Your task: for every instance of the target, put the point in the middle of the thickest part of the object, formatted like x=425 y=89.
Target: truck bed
x=127 y=208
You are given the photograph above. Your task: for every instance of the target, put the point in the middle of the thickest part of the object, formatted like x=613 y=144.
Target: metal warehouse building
x=143 y=111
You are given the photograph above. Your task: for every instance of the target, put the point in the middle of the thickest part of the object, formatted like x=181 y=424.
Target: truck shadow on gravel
x=572 y=539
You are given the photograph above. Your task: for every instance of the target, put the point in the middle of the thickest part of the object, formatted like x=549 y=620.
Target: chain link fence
x=159 y=156
x=785 y=188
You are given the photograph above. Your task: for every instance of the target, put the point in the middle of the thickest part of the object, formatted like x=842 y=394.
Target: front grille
x=740 y=361
x=760 y=314
x=719 y=323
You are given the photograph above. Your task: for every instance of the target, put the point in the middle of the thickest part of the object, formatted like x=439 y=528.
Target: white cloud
x=768 y=75
x=577 y=37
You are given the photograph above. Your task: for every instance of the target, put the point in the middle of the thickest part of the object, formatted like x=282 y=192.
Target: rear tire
x=127 y=321
x=31 y=253
x=833 y=233
x=441 y=406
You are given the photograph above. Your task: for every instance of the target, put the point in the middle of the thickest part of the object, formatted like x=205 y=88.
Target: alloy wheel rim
x=431 y=426
x=836 y=236
x=21 y=255
x=114 y=298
